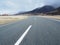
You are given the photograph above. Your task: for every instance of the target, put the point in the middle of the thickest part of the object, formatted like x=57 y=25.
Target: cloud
x=8 y=7
x=5 y=11
x=9 y=3
x=12 y=6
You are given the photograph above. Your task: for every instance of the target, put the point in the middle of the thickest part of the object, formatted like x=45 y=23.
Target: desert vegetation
x=8 y=19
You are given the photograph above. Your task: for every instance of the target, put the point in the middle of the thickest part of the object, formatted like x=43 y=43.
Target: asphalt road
x=44 y=31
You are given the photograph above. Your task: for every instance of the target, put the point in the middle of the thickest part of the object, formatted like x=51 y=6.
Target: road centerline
x=23 y=35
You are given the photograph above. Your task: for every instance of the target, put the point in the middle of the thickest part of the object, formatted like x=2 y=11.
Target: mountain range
x=44 y=10
x=55 y=12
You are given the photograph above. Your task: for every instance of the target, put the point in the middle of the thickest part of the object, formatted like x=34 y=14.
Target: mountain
x=39 y=10
x=55 y=12
x=43 y=9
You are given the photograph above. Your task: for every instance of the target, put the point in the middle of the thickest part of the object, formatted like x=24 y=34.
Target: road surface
x=31 y=31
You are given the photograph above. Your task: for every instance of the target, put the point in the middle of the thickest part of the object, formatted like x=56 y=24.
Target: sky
x=15 y=6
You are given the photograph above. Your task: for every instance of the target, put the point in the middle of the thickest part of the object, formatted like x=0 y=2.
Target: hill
x=55 y=12
x=39 y=10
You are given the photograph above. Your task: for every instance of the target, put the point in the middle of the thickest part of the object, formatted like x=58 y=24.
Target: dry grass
x=8 y=19
x=53 y=17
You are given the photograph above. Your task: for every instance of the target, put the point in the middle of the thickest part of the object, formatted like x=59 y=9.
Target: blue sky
x=14 y=6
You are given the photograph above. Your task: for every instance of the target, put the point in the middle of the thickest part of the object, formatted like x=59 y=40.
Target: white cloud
x=5 y=11
x=11 y=5
x=8 y=7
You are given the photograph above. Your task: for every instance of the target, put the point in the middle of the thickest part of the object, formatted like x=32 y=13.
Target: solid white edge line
x=23 y=35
